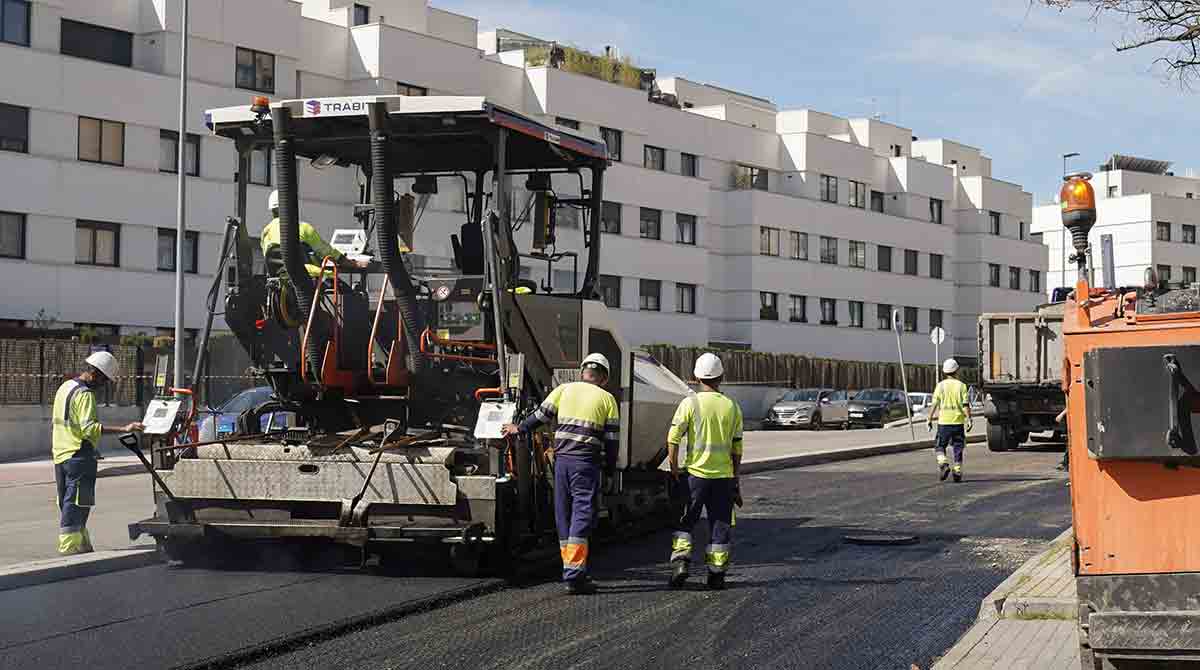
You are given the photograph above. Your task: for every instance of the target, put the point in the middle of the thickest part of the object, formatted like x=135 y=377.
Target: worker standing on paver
x=585 y=439
x=713 y=425
x=75 y=446
x=316 y=249
x=952 y=411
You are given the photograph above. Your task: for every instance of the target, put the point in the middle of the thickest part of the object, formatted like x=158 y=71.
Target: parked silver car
x=808 y=408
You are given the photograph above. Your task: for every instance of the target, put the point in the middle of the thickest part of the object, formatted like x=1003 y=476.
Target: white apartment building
x=1149 y=216
x=726 y=219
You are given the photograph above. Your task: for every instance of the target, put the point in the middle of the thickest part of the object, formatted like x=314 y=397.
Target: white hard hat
x=708 y=366
x=594 y=361
x=105 y=363
x=950 y=366
x=273 y=201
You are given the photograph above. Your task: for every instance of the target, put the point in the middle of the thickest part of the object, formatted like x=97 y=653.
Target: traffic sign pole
x=903 y=373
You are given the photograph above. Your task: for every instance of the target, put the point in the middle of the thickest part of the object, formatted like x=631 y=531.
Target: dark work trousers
x=76 y=481
x=576 y=485
x=954 y=436
x=715 y=498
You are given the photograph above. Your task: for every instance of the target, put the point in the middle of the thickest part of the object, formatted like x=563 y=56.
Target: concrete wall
x=25 y=430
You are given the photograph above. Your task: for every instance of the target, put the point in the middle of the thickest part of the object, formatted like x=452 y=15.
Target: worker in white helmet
x=585 y=440
x=952 y=411
x=712 y=423
x=75 y=443
x=314 y=246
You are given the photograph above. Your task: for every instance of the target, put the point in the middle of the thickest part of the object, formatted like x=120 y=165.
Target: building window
x=610 y=217
x=910 y=319
x=829 y=249
x=768 y=306
x=14 y=128
x=748 y=177
x=688 y=165
x=1014 y=278
x=798 y=310
x=829 y=188
x=654 y=158
x=884 y=259
x=97 y=243
x=858 y=194
x=935 y=210
x=993 y=274
x=1189 y=233
x=935 y=266
x=685 y=228
x=651 y=219
x=828 y=312
x=798 y=243
x=1162 y=231
x=994 y=223
x=1035 y=281
x=876 y=201
x=649 y=295
x=1114 y=191
x=610 y=290
x=1022 y=230
x=12 y=235
x=260 y=166
x=1164 y=273
x=411 y=90
x=858 y=254
x=910 y=262
x=1189 y=274
x=168 y=148
x=883 y=317
x=255 y=70
x=612 y=138
x=14 y=22
x=566 y=123
x=768 y=241
x=685 y=298
x=362 y=15
x=856 y=314
x=84 y=40
x=166 y=250
x=101 y=141
x=935 y=318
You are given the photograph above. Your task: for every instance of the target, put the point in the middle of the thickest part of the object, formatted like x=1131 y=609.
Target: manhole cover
x=880 y=539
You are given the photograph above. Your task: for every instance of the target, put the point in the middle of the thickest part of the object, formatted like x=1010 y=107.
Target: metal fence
x=33 y=367
x=799 y=371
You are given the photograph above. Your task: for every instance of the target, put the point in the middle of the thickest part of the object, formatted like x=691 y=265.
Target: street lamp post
x=181 y=205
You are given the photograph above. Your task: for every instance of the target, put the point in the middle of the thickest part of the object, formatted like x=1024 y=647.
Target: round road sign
x=937 y=335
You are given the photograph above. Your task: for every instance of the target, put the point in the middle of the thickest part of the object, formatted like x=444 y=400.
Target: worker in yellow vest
x=712 y=423
x=951 y=409
x=316 y=249
x=75 y=446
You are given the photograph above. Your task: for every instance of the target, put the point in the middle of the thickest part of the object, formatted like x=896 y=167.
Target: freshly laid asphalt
x=799 y=596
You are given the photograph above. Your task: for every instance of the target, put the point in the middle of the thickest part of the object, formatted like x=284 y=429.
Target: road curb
x=997 y=605
x=73 y=567
x=835 y=455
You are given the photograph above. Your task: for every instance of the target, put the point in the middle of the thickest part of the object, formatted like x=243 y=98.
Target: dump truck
x=1131 y=355
x=1020 y=358
x=401 y=371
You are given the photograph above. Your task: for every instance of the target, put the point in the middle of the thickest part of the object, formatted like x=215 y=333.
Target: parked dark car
x=221 y=422
x=871 y=408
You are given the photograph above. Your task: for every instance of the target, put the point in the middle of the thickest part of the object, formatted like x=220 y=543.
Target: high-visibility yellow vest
x=713 y=424
x=75 y=421
x=315 y=248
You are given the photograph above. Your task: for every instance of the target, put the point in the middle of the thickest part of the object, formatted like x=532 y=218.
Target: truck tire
x=998 y=437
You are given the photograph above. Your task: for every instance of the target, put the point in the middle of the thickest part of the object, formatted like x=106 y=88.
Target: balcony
x=620 y=71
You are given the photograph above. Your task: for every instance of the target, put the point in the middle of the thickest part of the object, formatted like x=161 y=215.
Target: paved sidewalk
x=1028 y=622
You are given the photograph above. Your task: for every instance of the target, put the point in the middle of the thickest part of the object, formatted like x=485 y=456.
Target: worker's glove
x=610 y=481
x=737 y=493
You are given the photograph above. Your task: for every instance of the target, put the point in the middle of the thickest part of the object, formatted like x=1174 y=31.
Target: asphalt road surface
x=798 y=595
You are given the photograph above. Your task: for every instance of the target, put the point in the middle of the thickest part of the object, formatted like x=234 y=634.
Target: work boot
x=944 y=472
x=958 y=473
x=716 y=581
x=679 y=574
x=582 y=586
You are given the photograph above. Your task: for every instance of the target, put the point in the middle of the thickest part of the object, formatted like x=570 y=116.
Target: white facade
x=1152 y=219
x=825 y=177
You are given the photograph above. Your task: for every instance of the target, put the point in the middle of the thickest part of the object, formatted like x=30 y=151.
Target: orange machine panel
x=1131 y=517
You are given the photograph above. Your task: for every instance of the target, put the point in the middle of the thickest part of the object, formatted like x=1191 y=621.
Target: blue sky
x=1026 y=84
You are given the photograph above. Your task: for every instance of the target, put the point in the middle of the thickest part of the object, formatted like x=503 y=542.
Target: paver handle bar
x=131 y=442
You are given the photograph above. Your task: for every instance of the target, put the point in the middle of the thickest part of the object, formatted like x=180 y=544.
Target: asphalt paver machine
x=400 y=373
x=1132 y=359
